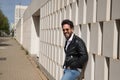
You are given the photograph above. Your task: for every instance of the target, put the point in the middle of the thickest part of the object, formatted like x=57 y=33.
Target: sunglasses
x=65 y=29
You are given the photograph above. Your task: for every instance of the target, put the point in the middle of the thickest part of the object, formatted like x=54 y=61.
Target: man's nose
x=65 y=31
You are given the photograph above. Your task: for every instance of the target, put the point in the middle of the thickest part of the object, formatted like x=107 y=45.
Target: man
x=75 y=52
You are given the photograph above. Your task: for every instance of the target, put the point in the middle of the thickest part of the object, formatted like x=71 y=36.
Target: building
x=97 y=22
x=19 y=11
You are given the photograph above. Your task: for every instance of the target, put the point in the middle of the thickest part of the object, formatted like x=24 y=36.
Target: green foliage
x=4 y=24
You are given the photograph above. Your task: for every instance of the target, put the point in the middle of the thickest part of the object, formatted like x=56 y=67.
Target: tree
x=4 y=24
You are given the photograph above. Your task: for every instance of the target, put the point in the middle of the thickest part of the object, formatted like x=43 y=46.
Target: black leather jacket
x=76 y=53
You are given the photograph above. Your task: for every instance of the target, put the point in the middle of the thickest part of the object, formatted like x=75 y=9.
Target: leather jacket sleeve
x=82 y=51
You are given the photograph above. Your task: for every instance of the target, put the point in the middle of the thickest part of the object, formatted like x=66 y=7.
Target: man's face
x=67 y=31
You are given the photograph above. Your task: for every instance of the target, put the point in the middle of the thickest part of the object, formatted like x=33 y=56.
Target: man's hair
x=67 y=21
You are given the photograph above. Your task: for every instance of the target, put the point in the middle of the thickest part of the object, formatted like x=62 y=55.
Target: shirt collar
x=70 y=39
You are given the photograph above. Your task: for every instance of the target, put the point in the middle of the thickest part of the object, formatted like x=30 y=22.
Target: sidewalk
x=15 y=64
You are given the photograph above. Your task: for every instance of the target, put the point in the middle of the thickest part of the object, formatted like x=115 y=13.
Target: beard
x=67 y=35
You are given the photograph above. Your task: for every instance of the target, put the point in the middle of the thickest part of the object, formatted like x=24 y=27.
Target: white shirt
x=69 y=41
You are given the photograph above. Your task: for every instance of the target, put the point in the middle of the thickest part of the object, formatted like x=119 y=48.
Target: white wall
x=27 y=28
x=19 y=31
x=30 y=37
x=34 y=39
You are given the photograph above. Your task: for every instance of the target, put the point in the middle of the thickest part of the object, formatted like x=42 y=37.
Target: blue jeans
x=70 y=74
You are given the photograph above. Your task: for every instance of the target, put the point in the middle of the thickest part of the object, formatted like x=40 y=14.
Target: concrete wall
x=27 y=28
x=98 y=26
x=19 y=11
x=35 y=36
x=30 y=38
x=18 y=31
x=33 y=7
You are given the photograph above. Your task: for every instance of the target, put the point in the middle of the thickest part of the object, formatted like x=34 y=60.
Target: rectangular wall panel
x=68 y=12
x=61 y=3
x=90 y=69
x=96 y=38
x=118 y=29
x=65 y=2
x=62 y=14
x=49 y=7
x=85 y=34
x=57 y=73
x=61 y=73
x=103 y=10
x=110 y=39
x=119 y=44
x=75 y=13
x=101 y=68
x=115 y=9
x=56 y=5
x=82 y=12
x=114 y=69
x=54 y=70
x=77 y=30
x=91 y=11
x=70 y=1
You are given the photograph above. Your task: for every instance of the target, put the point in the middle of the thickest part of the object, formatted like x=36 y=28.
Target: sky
x=8 y=7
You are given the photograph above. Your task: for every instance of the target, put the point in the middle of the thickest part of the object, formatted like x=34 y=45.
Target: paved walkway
x=15 y=64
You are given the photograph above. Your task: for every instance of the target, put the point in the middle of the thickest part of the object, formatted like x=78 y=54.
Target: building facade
x=97 y=22
x=19 y=11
